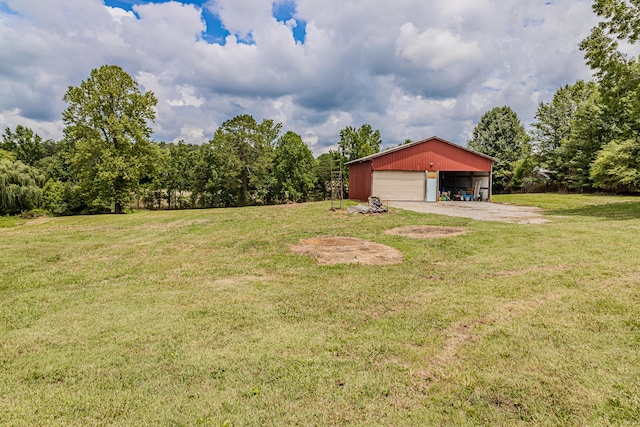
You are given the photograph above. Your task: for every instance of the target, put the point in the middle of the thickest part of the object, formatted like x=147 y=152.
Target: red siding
x=445 y=158
x=360 y=181
x=432 y=154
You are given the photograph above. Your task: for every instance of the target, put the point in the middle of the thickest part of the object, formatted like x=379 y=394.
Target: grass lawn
x=205 y=317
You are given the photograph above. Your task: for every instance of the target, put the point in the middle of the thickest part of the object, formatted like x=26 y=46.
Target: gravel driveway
x=481 y=211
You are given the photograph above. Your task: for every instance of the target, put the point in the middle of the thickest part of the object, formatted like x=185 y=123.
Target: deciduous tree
x=322 y=172
x=293 y=168
x=618 y=76
x=356 y=143
x=107 y=121
x=20 y=187
x=26 y=144
x=242 y=154
x=568 y=132
x=179 y=171
x=616 y=166
x=618 y=73
x=7 y=155
x=500 y=134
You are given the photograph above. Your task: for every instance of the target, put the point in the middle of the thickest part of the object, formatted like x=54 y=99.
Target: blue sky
x=410 y=68
x=216 y=32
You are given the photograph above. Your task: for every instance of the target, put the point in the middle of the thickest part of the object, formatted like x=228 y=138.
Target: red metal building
x=420 y=171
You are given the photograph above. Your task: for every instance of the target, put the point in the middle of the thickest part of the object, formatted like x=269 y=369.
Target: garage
x=422 y=171
x=399 y=185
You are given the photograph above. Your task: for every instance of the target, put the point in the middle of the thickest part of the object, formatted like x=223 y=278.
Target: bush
x=62 y=198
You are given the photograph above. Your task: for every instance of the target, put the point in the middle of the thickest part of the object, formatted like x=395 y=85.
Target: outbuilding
x=422 y=171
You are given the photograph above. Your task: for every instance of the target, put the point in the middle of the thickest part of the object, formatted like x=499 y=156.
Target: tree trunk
x=118 y=209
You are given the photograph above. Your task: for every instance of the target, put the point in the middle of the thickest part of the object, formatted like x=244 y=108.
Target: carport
x=421 y=171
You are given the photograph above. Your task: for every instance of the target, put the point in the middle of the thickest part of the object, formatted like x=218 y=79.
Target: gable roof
x=411 y=144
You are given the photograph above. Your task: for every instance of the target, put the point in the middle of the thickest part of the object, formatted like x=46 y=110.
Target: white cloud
x=120 y=14
x=192 y=133
x=435 y=48
x=188 y=98
x=409 y=68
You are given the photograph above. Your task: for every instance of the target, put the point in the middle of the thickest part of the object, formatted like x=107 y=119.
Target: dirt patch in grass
x=427 y=231
x=347 y=250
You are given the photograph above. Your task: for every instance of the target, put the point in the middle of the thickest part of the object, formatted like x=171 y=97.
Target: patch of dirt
x=347 y=250
x=427 y=231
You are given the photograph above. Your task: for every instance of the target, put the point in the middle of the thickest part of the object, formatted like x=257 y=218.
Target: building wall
x=433 y=154
x=445 y=157
x=360 y=181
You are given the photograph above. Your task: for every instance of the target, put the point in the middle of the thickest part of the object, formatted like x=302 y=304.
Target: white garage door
x=399 y=185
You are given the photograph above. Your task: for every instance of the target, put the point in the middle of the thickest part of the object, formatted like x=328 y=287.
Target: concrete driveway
x=481 y=211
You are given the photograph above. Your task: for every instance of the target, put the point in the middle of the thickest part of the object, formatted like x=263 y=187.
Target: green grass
x=10 y=221
x=563 y=201
x=204 y=317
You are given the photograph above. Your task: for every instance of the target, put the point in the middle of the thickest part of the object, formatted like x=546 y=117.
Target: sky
x=410 y=68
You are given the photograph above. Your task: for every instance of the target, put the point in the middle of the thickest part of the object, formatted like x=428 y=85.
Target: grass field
x=205 y=317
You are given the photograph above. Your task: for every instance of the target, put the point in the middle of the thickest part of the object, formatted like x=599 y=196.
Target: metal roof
x=411 y=144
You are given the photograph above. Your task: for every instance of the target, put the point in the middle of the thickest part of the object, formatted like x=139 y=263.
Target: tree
x=7 y=155
x=568 y=132
x=356 y=143
x=62 y=198
x=591 y=129
x=58 y=165
x=293 y=167
x=20 y=187
x=27 y=145
x=322 y=173
x=618 y=74
x=553 y=120
x=107 y=121
x=500 y=134
x=178 y=174
x=152 y=184
x=207 y=188
x=242 y=155
x=616 y=166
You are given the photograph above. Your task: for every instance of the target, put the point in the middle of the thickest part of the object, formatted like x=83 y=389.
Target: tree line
x=106 y=160
x=588 y=136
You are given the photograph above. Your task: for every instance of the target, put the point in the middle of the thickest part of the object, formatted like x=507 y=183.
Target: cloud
x=435 y=48
x=411 y=69
x=187 y=98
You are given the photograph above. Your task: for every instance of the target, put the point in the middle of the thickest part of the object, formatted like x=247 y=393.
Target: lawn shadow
x=613 y=211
